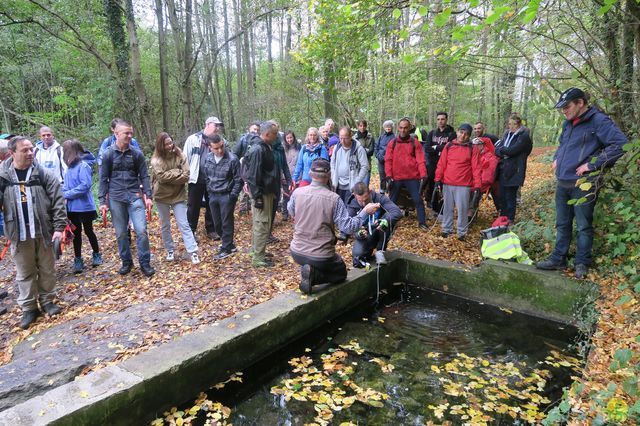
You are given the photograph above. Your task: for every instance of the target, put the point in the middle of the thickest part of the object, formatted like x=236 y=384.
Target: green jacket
x=49 y=212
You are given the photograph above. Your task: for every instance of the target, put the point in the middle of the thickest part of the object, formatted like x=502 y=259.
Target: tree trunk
x=164 y=73
x=269 y=27
x=239 y=46
x=228 y=87
x=142 y=103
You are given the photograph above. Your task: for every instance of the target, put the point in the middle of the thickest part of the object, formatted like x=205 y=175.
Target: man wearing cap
x=458 y=172
x=317 y=212
x=589 y=142
x=196 y=148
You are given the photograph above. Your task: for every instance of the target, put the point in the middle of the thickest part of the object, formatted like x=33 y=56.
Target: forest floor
x=107 y=318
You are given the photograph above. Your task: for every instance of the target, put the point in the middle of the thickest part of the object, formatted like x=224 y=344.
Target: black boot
x=125 y=268
x=28 y=318
x=51 y=309
x=147 y=270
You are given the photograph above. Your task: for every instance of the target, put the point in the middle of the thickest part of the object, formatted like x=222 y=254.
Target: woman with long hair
x=81 y=208
x=169 y=176
x=311 y=150
x=291 y=151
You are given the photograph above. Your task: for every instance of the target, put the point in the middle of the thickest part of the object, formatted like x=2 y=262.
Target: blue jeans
x=121 y=212
x=583 y=214
x=413 y=186
x=1 y=224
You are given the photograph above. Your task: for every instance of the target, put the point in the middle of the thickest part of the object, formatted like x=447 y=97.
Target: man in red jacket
x=459 y=168
x=405 y=166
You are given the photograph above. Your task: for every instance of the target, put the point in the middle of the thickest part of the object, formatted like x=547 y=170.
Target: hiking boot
x=96 y=259
x=305 y=279
x=380 y=258
x=581 y=271
x=28 y=318
x=195 y=259
x=423 y=227
x=125 y=268
x=147 y=270
x=222 y=254
x=170 y=256
x=78 y=265
x=51 y=309
x=212 y=235
x=551 y=265
x=261 y=263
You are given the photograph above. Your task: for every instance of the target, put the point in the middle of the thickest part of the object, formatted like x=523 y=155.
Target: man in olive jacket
x=34 y=216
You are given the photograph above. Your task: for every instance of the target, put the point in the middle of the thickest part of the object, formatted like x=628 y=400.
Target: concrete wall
x=143 y=384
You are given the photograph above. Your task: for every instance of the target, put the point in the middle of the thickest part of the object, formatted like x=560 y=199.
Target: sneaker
x=125 y=268
x=423 y=226
x=147 y=270
x=581 y=271
x=551 y=265
x=305 y=279
x=78 y=265
x=195 y=259
x=222 y=254
x=212 y=235
x=380 y=258
x=170 y=256
x=96 y=259
x=51 y=309
x=28 y=318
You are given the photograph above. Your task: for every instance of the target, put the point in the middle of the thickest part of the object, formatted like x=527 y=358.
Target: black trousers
x=222 y=208
x=332 y=270
x=79 y=220
x=194 y=202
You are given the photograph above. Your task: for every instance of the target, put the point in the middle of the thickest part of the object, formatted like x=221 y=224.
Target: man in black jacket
x=375 y=230
x=434 y=143
x=262 y=174
x=223 y=185
x=240 y=149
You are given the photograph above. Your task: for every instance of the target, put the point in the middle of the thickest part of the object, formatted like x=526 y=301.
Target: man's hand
x=389 y=182
x=292 y=187
x=381 y=224
x=582 y=169
x=258 y=203
x=103 y=209
x=148 y=204
x=371 y=208
x=56 y=235
x=362 y=234
x=554 y=165
x=437 y=186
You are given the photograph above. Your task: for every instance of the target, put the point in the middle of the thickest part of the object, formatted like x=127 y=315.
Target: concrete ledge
x=148 y=382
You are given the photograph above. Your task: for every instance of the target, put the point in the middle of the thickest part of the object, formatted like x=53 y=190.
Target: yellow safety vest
x=505 y=247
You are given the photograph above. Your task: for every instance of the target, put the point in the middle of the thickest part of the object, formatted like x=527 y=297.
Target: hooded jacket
x=381 y=144
x=593 y=138
x=460 y=165
x=51 y=159
x=223 y=177
x=169 y=177
x=47 y=203
x=305 y=158
x=358 y=163
x=404 y=159
x=513 y=158
x=76 y=188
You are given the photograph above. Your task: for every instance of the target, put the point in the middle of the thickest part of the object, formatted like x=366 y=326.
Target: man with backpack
x=459 y=169
x=405 y=167
x=35 y=216
x=48 y=153
x=196 y=148
x=111 y=140
x=122 y=173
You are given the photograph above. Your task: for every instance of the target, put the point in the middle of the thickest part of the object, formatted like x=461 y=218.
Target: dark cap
x=320 y=165
x=466 y=127
x=569 y=95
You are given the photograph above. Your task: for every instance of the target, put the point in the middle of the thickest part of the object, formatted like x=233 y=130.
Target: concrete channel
x=128 y=392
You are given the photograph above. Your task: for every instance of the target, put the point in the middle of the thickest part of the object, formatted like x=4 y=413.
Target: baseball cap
x=320 y=165
x=214 y=120
x=569 y=95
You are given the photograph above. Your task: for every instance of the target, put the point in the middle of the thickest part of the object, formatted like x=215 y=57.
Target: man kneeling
x=317 y=211
x=375 y=231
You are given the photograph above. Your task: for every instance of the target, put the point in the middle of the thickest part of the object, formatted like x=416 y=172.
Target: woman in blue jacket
x=311 y=150
x=81 y=208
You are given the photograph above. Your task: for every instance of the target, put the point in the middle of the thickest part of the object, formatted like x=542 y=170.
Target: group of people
x=322 y=183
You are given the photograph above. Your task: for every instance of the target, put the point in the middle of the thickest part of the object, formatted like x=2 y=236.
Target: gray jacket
x=358 y=164
x=49 y=213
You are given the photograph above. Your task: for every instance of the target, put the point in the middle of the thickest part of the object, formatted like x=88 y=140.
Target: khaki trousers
x=35 y=272
x=261 y=227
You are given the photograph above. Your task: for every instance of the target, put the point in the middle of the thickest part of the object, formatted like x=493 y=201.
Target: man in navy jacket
x=590 y=142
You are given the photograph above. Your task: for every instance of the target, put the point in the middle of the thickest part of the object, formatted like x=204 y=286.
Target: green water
x=424 y=330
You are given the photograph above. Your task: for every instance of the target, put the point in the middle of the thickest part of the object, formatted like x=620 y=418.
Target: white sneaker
x=380 y=259
x=195 y=259
x=170 y=256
